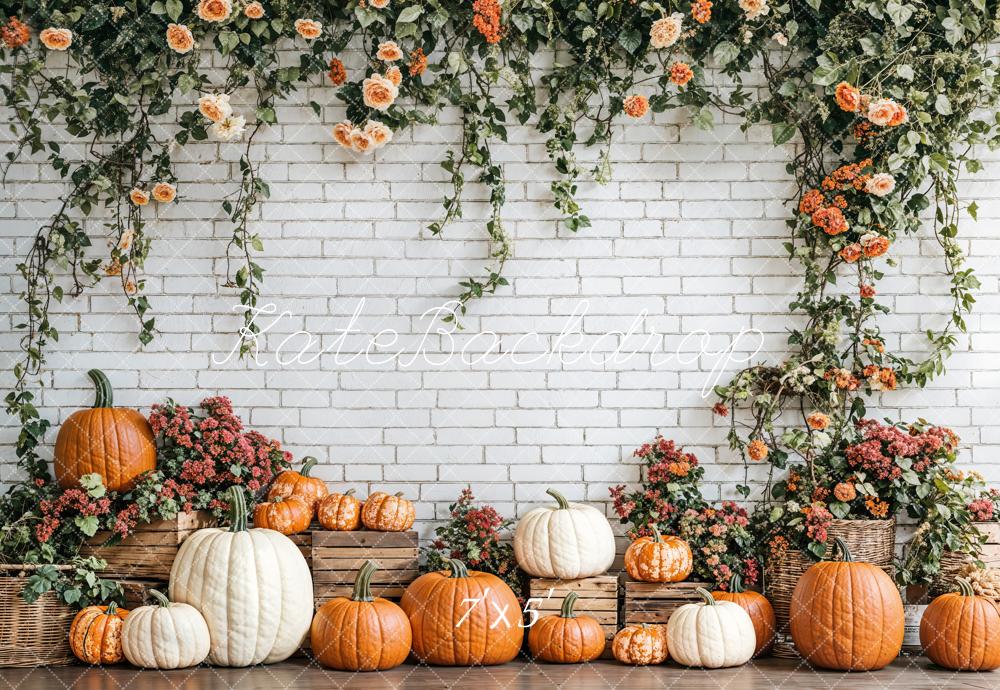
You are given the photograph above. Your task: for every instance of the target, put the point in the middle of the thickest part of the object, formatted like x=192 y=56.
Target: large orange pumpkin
x=362 y=633
x=385 y=513
x=846 y=615
x=568 y=638
x=286 y=515
x=760 y=610
x=341 y=512
x=300 y=485
x=95 y=635
x=463 y=617
x=640 y=645
x=115 y=442
x=658 y=558
x=961 y=631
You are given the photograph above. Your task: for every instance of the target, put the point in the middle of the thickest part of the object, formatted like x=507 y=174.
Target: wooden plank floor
x=907 y=673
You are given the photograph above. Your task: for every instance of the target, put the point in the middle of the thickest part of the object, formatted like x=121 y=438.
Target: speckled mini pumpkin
x=640 y=645
x=658 y=558
x=340 y=512
x=95 y=635
x=286 y=515
x=388 y=513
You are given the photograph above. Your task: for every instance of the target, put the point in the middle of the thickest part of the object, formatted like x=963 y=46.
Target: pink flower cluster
x=70 y=503
x=818 y=521
x=883 y=443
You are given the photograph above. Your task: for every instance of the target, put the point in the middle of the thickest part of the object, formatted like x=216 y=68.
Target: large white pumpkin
x=252 y=586
x=711 y=634
x=567 y=540
x=166 y=635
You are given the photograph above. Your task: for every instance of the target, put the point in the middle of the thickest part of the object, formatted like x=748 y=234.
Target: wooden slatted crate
x=337 y=557
x=136 y=591
x=598 y=599
x=303 y=540
x=148 y=553
x=653 y=602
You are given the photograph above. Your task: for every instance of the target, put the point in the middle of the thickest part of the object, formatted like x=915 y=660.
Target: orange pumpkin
x=658 y=558
x=341 y=512
x=640 y=645
x=115 y=442
x=845 y=615
x=961 y=631
x=300 y=485
x=362 y=633
x=95 y=635
x=286 y=515
x=567 y=638
x=760 y=610
x=463 y=617
x=385 y=513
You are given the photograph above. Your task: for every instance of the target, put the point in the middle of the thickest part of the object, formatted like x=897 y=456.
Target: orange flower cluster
x=867 y=291
x=849 y=176
x=778 y=545
x=880 y=378
x=681 y=73
x=830 y=219
x=15 y=33
x=874 y=245
x=337 y=73
x=793 y=480
x=845 y=492
x=486 y=19
x=418 y=62
x=757 y=450
x=701 y=11
x=842 y=378
x=811 y=201
x=848 y=97
x=820 y=494
x=877 y=507
x=679 y=469
x=635 y=105
x=877 y=344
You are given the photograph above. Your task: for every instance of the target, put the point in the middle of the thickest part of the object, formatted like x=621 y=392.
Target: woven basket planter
x=952 y=563
x=32 y=634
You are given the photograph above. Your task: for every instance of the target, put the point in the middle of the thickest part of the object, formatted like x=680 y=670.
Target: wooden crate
x=136 y=591
x=148 y=553
x=653 y=602
x=337 y=557
x=598 y=599
x=303 y=540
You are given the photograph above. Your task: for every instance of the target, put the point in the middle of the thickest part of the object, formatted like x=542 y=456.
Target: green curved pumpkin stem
x=349 y=492
x=656 y=533
x=104 y=393
x=237 y=510
x=965 y=587
x=363 y=582
x=159 y=597
x=706 y=595
x=735 y=584
x=112 y=609
x=308 y=462
x=569 y=601
x=560 y=499
x=845 y=553
x=398 y=494
x=458 y=568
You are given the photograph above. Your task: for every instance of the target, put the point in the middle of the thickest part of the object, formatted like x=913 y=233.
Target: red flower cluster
x=883 y=443
x=70 y=503
x=818 y=520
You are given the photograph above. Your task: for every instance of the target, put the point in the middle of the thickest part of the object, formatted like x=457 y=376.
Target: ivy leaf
x=898 y=12
x=725 y=52
x=409 y=14
x=973 y=210
x=782 y=132
x=630 y=40
x=174 y=9
x=86 y=524
x=942 y=105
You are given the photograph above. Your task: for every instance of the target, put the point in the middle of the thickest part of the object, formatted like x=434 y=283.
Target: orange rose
x=681 y=73
x=179 y=38
x=899 y=116
x=378 y=92
x=215 y=106
x=361 y=141
x=164 y=192
x=394 y=75
x=56 y=39
x=138 y=196
x=254 y=10
x=874 y=245
x=851 y=252
x=379 y=4
x=635 y=105
x=342 y=133
x=818 y=421
x=308 y=28
x=215 y=10
x=757 y=450
x=15 y=33
x=379 y=133
x=848 y=97
x=389 y=51
x=867 y=291
x=337 y=73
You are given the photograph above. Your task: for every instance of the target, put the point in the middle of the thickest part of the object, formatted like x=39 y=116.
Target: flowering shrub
x=722 y=543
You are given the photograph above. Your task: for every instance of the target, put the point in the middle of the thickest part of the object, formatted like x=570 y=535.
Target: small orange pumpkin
x=385 y=513
x=300 y=485
x=341 y=512
x=363 y=633
x=658 y=558
x=95 y=635
x=961 y=631
x=760 y=610
x=568 y=638
x=286 y=515
x=640 y=645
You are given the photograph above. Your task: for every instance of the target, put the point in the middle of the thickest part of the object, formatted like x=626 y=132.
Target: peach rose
x=254 y=10
x=851 y=252
x=635 y=105
x=378 y=92
x=139 y=197
x=666 y=31
x=342 y=133
x=379 y=4
x=380 y=134
x=817 y=421
x=874 y=245
x=56 y=39
x=845 y=492
x=215 y=10
x=847 y=97
x=880 y=184
x=308 y=28
x=394 y=75
x=757 y=450
x=899 y=116
x=754 y=8
x=361 y=141
x=389 y=51
x=179 y=38
x=164 y=192
x=215 y=106
x=883 y=111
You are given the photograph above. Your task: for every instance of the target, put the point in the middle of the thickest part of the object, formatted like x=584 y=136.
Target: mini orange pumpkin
x=658 y=558
x=95 y=635
x=567 y=638
x=760 y=610
x=286 y=515
x=115 y=442
x=363 y=633
x=385 y=513
x=300 y=485
x=640 y=645
x=961 y=631
x=341 y=512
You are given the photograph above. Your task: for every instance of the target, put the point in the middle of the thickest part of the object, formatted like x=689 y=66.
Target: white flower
x=780 y=38
x=215 y=106
x=666 y=31
x=880 y=184
x=754 y=8
x=230 y=128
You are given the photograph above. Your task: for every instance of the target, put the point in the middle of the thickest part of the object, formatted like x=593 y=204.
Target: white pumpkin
x=166 y=635
x=567 y=541
x=711 y=634
x=252 y=586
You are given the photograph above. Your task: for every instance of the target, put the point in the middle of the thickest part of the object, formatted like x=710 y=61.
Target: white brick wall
x=689 y=230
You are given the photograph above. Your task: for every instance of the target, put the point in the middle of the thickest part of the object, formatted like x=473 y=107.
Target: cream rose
x=882 y=111
x=880 y=184
x=361 y=141
x=754 y=8
x=666 y=31
x=56 y=39
x=342 y=133
x=179 y=38
x=215 y=106
x=164 y=192
x=308 y=28
x=378 y=92
x=380 y=134
x=230 y=128
x=215 y=10
x=389 y=51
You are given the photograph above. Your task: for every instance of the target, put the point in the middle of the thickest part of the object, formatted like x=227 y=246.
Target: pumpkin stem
x=363 y=582
x=656 y=533
x=706 y=595
x=567 y=605
x=160 y=598
x=104 y=394
x=237 y=510
x=964 y=587
x=112 y=609
x=845 y=553
x=560 y=499
x=735 y=584
x=308 y=462
x=458 y=568
x=349 y=492
x=398 y=494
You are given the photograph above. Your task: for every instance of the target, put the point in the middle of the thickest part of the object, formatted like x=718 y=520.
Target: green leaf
x=87 y=524
x=942 y=104
x=174 y=9
x=782 y=132
x=409 y=14
x=630 y=40
x=725 y=52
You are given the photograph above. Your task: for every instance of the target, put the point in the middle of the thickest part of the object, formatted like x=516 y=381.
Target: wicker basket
x=952 y=562
x=32 y=634
x=871 y=541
